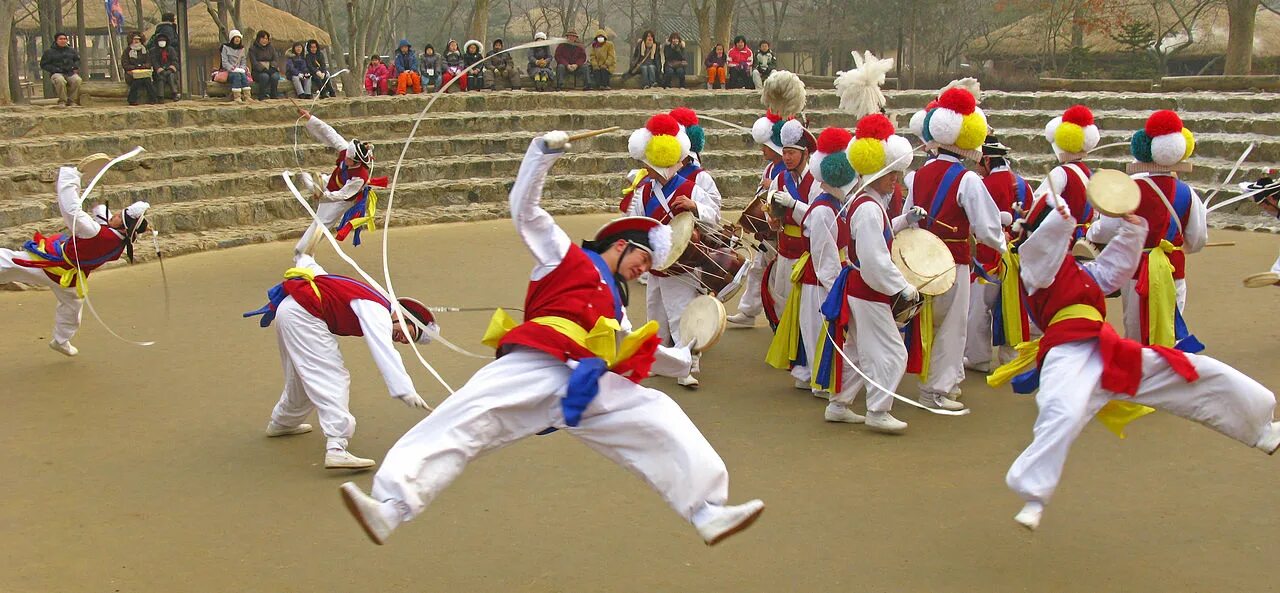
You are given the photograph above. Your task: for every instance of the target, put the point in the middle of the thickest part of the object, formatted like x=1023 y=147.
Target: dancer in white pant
x=752 y=302
x=1085 y=368
x=572 y=365
x=63 y=262
x=344 y=198
x=311 y=309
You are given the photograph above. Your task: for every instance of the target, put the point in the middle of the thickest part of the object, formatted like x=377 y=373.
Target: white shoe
x=939 y=402
x=1270 y=440
x=820 y=394
x=367 y=512
x=838 y=413
x=803 y=385
x=885 y=422
x=688 y=382
x=730 y=520
x=741 y=320
x=63 y=348
x=978 y=367
x=342 y=459
x=1029 y=516
x=276 y=430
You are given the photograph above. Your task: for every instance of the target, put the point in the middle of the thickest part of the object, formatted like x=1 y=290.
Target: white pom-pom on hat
x=1168 y=149
x=136 y=210
x=916 y=126
x=792 y=134
x=1051 y=129
x=944 y=125
x=660 y=243
x=815 y=166
x=894 y=148
x=637 y=143
x=1092 y=136
x=762 y=130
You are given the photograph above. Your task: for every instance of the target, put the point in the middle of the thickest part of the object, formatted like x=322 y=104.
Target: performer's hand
x=916 y=214
x=557 y=141
x=1062 y=211
x=684 y=204
x=910 y=293
x=1133 y=219
x=782 y=200
x=413 y=400
x=304 y=114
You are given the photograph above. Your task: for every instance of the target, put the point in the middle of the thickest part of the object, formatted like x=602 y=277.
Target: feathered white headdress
x=783 y=93
x=969 y=84
x=859 y=89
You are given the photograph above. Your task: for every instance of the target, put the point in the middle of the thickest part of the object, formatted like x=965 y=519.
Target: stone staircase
x=211 y=170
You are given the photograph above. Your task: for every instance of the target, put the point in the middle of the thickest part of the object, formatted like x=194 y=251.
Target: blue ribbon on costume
x=669 y=188
x=944 y=188
x=832 y=309
x=1184 y=339
x=607 y=275
x=584 y=385
x=357 y=210
x=1027 y=383
x=275 y=296
x=689 y=171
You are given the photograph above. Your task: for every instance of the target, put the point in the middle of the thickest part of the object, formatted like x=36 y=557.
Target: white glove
x=556 y=141
x=1006 y=219
x=413 y=400
x=916 y=214
x=310 y=184
x=782 y=199
x=1016 y=227
x=910 y=293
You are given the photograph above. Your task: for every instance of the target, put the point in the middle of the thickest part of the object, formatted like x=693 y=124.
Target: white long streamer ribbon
x=1231 y=173
x=840 y=349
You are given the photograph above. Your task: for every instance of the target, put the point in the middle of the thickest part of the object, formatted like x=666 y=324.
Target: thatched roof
x=1029 y=37
x=95 y=16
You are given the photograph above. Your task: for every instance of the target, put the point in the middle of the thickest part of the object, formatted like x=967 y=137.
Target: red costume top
x=791 y=240
x=809 y=274
x=936 y=187
x=855 y=286
x=333 y=304
x=575 y=290
x=60 y=251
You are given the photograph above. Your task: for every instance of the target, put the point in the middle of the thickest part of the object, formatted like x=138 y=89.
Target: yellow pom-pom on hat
x=1069 y=137
x=866 y=155
x=663 y=151
x=1191 y=143
x=973 y=131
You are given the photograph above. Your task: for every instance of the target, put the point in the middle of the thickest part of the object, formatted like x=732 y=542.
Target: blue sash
x=651 y=203
x=1182 y=208
x=609 y=280
x=944 y=189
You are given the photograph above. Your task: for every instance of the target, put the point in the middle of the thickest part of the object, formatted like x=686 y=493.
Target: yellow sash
x=1162 y=296
x=924 y=323
x=786 y=339
x=303 y=274
x=601 y=340
x=370 y=217
x=67 y=274
x=792 y=230
x=1011 y=298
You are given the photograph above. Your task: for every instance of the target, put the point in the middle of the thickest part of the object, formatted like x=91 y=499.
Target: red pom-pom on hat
x=958 y=100
x=773 y=117
x=875 y=126
x=662 y=125
x=833 y=140
x=932 y=105
x=1078 y=115
x=1163 y=122
x=687 y=117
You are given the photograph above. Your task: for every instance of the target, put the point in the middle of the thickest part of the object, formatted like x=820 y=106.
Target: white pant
x=752 y=302
x=780 y=282
x=1223 y=399
x=875 y=344
x=330 y=213
x=1133 y=314
x=519 y=395
x=950 y=320
x=983 y=297
x=666 y=299
x=66 y=318
x=314 y=375
x=811 y=299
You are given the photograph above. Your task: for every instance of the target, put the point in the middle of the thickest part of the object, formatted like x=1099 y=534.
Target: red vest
x=1074 y=194
x=334 y=305
x=653 y=207
x=1003 y=186
x=924 y=189
x=810 y=273
x=855 y=286
x=90 y=254
x=575 y=291
x=341 y=173
x=788 y=246
x=1152 y=208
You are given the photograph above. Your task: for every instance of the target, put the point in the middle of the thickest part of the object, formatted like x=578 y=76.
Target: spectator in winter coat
x=235 y=62
x=295 y=69
x=265 y=62
x=375 y=76
x=740 y=64
x=430 y=66
x=601 y=60
x=405 y=69
x=168 y=28
x=765 y=64
x=473 y=52
x=62 y=62
x=137 y=70
x=675 y=64
x=715 y=64
x=571 y=60
x=318 y=68
x=164 y=64
x=503 y=66
x=540 y=64
x=454 y=65
x=645 y=58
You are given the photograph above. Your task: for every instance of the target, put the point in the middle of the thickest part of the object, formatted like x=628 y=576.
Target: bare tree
x=479 y=22
x=1174 y=23
x=724 y=20
x=7 y=7
x=1241 y=17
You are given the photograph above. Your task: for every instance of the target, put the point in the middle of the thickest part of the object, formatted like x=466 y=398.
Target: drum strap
x=652 y=201
x=949 y=180
x=609 y=279
x=1181 y=206
x=1087 y=214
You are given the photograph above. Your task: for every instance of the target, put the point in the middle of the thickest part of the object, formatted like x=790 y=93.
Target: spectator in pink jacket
x=375 y=76
x=740 y=62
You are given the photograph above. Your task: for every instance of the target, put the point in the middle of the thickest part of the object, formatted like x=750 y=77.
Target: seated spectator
x=235 y=65
x=571 y=61
x=740 y=64
x=62 y=62
x=676 y=65
x=645 y=58
x=766 y=62
x=295 y=69
x=164 y=64
x=405 y=69
x=375 y=76
x=136 y=63
x=503 y=67
x=265 y=62
x=167 y=27
x=430 y=66
x=540 y=64
x=454 y=65
x=473 y=52
x=715 y=64
x=318 y=68
x=601 y=60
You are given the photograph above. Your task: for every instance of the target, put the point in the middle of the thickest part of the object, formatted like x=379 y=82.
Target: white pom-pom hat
x=762 y=131
x=1162 y=145
x=662 y=144
x=1073 y=134
x=955 y=123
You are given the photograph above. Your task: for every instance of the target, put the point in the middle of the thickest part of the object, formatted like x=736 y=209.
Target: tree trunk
x=9 y=90
x=336 y=51
x=703 y=14
x=81 y=42
x=479 y=21
x=1241 y=17
x=48 y=28
x=724 y=21
x=1077 y=26
x=137 y=5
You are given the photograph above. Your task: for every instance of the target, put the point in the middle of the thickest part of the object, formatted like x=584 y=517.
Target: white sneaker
x=978 y=367
x=730 y=520
x=1270 y=440
x=939 y=402
x=1029 y=516
x=342 y=459
x=803 y=385
x=688 y=382
x=885 y=422
x=276 y=430
x=741 y=319
x=63 y=348
x=367 y=512
x=820 y=394
x=838 y=413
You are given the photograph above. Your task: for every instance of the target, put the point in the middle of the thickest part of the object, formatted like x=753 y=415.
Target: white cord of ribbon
x=1243 y=196
x=1230 y=174
x=315 y=98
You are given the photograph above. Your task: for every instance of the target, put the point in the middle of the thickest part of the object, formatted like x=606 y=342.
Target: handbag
x=140 y=73
x=219 y=76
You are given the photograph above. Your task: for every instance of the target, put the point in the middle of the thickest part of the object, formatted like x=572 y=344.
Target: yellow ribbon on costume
x=924 y=324
x=370 y=217
x=786 y=339
x=303 y=274
x=792 y=230
x=1162 y=295
x=819 y=351
x=1011 y=298
x=67 y=275
x=601 y=340
x=637 y=176
x=1117 y=414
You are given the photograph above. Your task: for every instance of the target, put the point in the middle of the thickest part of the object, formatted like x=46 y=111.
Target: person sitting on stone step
x=503 y=67
x=136 y=63
x=265 y=62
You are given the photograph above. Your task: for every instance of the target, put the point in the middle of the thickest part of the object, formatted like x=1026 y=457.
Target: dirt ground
x=145 y=469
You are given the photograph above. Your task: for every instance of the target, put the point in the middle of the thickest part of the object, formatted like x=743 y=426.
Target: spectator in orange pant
x=405 y=69
x=716 y=67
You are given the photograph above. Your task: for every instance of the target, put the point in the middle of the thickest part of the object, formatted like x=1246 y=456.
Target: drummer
x=1009 y=325
x=1160 y=151
x=1073 y=135
x=661 y=146
x=858 y=311
x=691 y=166
x=752 y=302
x=959 y=207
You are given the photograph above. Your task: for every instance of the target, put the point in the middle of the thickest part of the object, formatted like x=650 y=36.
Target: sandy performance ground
x=145 y=469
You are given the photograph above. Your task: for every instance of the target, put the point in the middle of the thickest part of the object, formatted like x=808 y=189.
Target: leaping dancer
x=347 y=204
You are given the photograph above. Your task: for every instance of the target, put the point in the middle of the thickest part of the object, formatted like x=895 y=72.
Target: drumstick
x=295 y=103
x=585 y=135
x=1221 y=244
x=939 y=222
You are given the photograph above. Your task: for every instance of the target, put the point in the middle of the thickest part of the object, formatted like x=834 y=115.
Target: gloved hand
x=1016 y=228
x=413 y=400
x=910 y=293
x=1006 y=219
x=916 y=214
x=782 y=199
x=556 y=141
x=310 y=184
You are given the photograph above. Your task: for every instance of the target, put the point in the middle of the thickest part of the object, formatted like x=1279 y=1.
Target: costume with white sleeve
x=751 y=303
x=800 y=186
x=310 y=309
x=692 y=164
x=957 y=198
x=63 y=262
x=347 y=204
x=571 y=365
x=1073 y=135
x=1085 y=368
